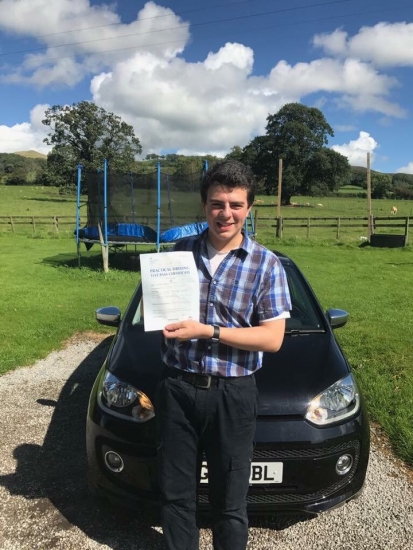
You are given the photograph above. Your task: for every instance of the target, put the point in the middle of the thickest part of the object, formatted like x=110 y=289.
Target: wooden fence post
x=11 y=223
x=338 y=228
x=279 y=232
x=308 y=228
x=56 y=223
x=105 y=250
x=34 y=224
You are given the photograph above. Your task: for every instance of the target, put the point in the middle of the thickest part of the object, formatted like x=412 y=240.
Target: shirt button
x=215 y=282
x=211 y=304
x=209 y=347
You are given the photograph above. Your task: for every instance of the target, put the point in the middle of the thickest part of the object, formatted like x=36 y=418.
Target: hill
x=31 y=154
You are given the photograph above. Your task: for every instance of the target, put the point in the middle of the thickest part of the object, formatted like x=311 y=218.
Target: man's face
x=226 y=210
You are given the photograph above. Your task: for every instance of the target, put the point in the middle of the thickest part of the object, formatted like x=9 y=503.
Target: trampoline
x=133 y=209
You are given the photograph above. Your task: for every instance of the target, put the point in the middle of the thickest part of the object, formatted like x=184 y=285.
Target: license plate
x=261 y=473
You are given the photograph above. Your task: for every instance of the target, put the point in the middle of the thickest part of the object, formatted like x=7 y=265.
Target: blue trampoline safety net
x=138 y=206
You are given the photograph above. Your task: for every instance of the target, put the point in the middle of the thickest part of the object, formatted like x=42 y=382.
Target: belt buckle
x=208 y=382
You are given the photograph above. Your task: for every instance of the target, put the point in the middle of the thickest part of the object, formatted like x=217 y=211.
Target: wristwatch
x=215 y=336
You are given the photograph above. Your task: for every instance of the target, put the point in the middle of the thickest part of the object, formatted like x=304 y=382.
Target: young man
x=207 y=401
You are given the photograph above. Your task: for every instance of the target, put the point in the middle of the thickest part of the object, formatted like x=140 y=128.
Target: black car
x=312 y=437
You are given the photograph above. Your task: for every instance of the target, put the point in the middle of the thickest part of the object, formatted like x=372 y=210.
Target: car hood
x=306 y=365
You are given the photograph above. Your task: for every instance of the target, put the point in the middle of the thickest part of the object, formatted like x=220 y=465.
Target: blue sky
x=201 y=77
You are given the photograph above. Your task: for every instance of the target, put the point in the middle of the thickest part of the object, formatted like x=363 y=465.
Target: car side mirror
x=109 y=315
x=337 y=317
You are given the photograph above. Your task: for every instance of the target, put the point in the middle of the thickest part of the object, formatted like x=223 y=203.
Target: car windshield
x=304 y=314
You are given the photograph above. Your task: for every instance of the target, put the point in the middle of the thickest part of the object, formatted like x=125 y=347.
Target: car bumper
x=309 y=455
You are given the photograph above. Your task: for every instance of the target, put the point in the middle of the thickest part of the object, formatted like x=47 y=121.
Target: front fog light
x=344 y=464
x=114 y=461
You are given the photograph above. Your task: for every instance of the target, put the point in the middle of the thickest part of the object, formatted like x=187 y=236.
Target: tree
x=381 y=185
x=87 y=134
x=235 y=153
x=326 y=170
x=258 y=155
x=297 y=134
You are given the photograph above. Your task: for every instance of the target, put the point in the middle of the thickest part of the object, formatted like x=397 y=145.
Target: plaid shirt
x=250 y=286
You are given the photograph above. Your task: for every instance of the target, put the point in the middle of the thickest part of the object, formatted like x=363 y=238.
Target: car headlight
x=124 y=400
x=335 y=404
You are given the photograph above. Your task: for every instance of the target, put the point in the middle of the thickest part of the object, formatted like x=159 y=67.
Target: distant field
x=351 y=189
x=316 y=209
x=46 y=201
x=31 y=154
x=26 y=200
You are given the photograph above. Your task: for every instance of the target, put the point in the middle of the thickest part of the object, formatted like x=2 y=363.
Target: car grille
x=257 y=498
x=303 y=453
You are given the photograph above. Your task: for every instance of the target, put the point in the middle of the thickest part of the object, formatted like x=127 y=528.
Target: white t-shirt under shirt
x=215 y=259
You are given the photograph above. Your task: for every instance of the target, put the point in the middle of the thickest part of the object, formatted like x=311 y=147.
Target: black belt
x=204 y=381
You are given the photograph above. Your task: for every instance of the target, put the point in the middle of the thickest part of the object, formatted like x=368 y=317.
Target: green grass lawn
x=45 y=298
x=26 y=200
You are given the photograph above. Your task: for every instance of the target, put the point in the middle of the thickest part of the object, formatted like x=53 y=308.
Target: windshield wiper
x=304 y=330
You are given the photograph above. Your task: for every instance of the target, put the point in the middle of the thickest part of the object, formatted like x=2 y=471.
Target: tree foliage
x=16 y=169
x=298 y=135
x=381 y=185
x=87 y=134
x=402 y=178
x=326 y=170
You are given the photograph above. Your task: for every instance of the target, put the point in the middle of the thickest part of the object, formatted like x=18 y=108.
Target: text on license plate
x=261 y=472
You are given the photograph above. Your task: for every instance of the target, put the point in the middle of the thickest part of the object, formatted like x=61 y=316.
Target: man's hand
x=188 y=330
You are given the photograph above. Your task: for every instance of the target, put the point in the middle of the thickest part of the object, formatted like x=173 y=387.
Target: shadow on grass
x=53 y=199
x=120 y=260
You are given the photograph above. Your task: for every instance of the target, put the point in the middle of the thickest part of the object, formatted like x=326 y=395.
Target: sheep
x=319 y=204
x=393 y=210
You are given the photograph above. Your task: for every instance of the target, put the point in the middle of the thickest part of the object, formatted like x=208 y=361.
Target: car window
x=304 y=315
x=138 y=314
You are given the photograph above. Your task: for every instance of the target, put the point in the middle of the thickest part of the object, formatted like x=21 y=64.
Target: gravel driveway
x=44 y=503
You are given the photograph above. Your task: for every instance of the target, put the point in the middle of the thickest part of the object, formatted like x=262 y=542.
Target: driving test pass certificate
x=170 y=288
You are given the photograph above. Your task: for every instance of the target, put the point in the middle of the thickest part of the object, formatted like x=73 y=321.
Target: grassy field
x=45 y=201
x=45 y=298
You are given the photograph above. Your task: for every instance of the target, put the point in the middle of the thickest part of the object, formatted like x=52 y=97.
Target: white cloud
x=359 y=84
x=138 y=71
x=208 y=106
x=405 y=169
x=357 y=149
x=90 y=38
x=234 y=54
x=26 y=135
x=385 y=44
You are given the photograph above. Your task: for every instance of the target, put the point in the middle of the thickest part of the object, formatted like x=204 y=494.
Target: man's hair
x=231 y=174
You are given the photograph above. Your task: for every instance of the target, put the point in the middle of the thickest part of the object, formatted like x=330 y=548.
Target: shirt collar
x=246 y=244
